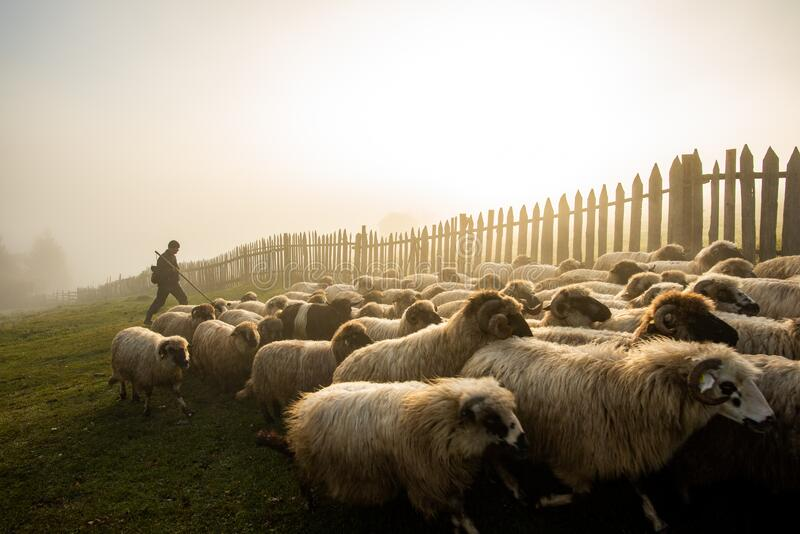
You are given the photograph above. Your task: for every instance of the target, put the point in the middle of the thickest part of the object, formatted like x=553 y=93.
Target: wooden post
x=453 y=241
x=674 y=222
x=635 y=236
x=440 y=247
x=535 y=218
x=619 y=218
x=769 y=206
x=461 y=245
x=729 y=226
x=470 y=247
x=591 y=204
x=423 y=258
x=747 y=183
x=696 y=191
x=522 y=235
x=654 y=200
x=498 y=256
x=547 y=233
x=790 y=242
x=480 y=240
x=447 y=236
x=687 y=165
x=577 y=228
x=509 y=235
x=489 y=236
x=602 y=223
x=713 y=225
x=562 y=245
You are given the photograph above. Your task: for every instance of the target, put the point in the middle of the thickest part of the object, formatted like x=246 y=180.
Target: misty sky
x=126 y=124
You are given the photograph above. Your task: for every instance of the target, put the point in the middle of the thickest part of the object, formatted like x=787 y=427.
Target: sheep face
x=622 y=271
x=176 y=350
x=685 y=317
x=404 y=301
x=245 y=337
x=349 y=337
x=738 y=267
x=723 y=383
x=646 y=298
x=270 y=329
x=373 y=296
x=203 y=312
x=638 y=284
x=421 y=314
x=675 y=277
x=715 y=253
x=670 y=252
x=497 y=315
x=342 y=307
x=570 y=264
x=574 y=307
x=249 y=296
x=727 y=297
x=371 y=309
x=489 y=420
x=523 y=292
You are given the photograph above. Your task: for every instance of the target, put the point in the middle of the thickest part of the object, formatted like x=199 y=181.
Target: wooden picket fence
x=691 y=212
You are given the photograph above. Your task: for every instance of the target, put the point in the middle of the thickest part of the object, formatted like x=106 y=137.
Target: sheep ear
x=162 y=349
x=470 y=407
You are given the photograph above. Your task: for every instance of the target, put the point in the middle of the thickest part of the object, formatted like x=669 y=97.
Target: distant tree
x=47 y=265
x=14 y=288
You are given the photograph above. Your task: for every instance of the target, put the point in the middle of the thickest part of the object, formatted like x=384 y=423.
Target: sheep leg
x=176 y=388
x=123 y=391
x=459 y=518
x=648 y=508
x=135 y=396
x=147 y=393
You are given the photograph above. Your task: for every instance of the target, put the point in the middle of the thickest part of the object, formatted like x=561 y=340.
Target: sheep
x=278 y=303
x=182 y=324
x=285 y=369
x=342 y=291
x=602 y=413
x=446 y=311
x=725 y=292
x=619 y=274
x=738 y=267
x=420 y=281
x=220 y=307
x=781 y=267
x=431 y=291
x=364 y=443
x=314 y=321
x=248 y=297
x=418 y=316
x=269 y=329
x=147 y=359
x=451 y=274
x=307 y=287
x=372 y=296
x=644 y=300
x=762 y=335
x=501 y=270
x=568 y=335
x=676 y=277
x=638 y=284
x=318 y=297
x=534 y=272
x=439 y=350
x=723 y=451
x=237 y=316
x=372 y=309
x=776 y=298
x=594 y=287
x=703 y=261
x=366 y=282
x=253 y=306
x=680 y=315
x=224 y=353
x=452 y=295
x=400 y=299
x=297 y=295
x=573 y=306
x=611 y=301
x=671 y=251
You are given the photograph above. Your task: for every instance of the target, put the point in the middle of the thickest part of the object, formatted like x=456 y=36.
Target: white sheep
x=419 y=315
x=619 y=274
x=638 y=284
x=597 y=412
x=223 y=353
x=364 y=443
x=762 y=335
x=781 y=267
x=775 y=298
x=644 y=300
x=573 y=306
x=278 y=303
x=726 y=293
x=181 y=323
x=703 y=261
x=253 y=306
x=439 y=350
x=667 y=252
x=220 y=307
x=738 y=267
x=420 y=281
x=147 y=359
x=237 y=316
x=284 y=369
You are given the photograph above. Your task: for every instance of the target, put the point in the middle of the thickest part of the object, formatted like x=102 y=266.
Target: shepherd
x=167 y=276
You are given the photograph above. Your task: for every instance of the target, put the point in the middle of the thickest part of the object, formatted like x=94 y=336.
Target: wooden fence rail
x=694 y=212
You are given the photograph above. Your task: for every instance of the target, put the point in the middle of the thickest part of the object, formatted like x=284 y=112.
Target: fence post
x=769 y=206
x=674 y=223
x=479 y=241
x=729 y=226
x=535 y=218
x=547 y=233
x=654 y=199
x=713 y=225
x=635 y=235
x=509 y=235
x=619 y=218
x=522 y=235
x=747 y=184
x=562 y=246
x=696 y=191
x=489 y=236
x=462 y=234
x=577 y=227
x=498 y=257
x=790 y=243
x=602 y=223
x=591 y=204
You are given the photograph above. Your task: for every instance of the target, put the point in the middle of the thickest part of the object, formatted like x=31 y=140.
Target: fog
x=125 y=125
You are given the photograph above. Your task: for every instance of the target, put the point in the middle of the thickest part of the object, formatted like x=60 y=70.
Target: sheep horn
x=486 y=311
x=694 y=382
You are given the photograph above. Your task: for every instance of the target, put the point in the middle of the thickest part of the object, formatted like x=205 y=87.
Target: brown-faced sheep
x=431 y=291
x=704 y=260
x=278 y=303
x=738 y=267
x=364 y=443
x=776 y=298
x=248 y=297
x=641 y=405
x=223 y=354
x=762 y=335
x=638 y=284
x=147 y=359
x=345 y=291
x=220 y=307
x=670 y=252
x=371 y=309
x=573 y=306
x=416 y=317
x=181 y=323
x=314 y=321
x=781 y=267
x=619 y=274
x=724 y=451
x=439 y=350
x=676 y=277
x=534 y=272
x=366 y=283
x=644 y=300
x=726 y=293
x=269 y=329
x=420 y=281
x=285 y=369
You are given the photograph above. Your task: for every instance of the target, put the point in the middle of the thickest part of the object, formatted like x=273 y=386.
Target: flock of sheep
x=389 y=385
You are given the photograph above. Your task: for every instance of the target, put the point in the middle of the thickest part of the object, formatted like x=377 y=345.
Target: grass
x=74 y=458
